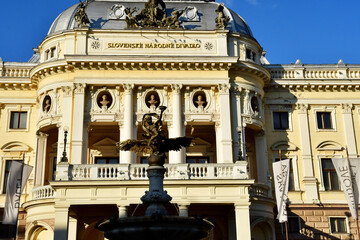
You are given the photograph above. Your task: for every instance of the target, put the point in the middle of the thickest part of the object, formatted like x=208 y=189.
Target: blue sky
x=314 y=31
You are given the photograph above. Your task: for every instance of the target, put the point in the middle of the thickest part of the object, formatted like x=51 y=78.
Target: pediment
x=15 y=147
x=284 y=146
x=329 y=146
x=106 y=142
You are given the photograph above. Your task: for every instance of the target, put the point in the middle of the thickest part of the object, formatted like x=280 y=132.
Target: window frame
x=321 y=180
x=346 y=224
x=197 y=158
x=10 y=110
x=294 y=160
x=331 y=110
x=273 y=122
x=4 y=159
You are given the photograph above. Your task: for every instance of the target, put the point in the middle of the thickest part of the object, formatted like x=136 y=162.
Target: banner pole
x=286 y=230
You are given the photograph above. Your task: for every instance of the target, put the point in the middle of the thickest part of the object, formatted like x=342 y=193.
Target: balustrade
x=173 y=171
x=43 y=192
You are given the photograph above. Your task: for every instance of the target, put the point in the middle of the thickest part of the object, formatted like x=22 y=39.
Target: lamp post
x=64 y=158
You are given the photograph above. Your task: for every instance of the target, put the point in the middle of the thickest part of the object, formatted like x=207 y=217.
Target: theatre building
x=89 y=83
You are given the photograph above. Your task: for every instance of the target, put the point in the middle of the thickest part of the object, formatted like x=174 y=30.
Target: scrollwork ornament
x=128 y=88
x=347 y=108
x=79 y=88
x=67 y=91
x=176 y=88
x=224 y=88
x=302 y=108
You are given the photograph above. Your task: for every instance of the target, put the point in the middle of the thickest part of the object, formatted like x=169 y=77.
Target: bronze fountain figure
x=156 y=224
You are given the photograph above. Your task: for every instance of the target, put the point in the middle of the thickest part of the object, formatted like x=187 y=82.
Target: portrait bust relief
x=46 y=105
x=199 y=100
x=104 y=100
x=152 y=100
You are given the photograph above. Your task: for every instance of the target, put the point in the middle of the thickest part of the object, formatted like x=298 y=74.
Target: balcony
x=134 y=172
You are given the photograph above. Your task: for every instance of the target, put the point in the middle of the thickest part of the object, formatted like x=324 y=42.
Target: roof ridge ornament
x=81 y=17
x=153 y=16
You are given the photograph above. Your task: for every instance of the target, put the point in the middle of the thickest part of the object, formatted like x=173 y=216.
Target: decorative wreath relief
x=95 y=45
x=209 y=46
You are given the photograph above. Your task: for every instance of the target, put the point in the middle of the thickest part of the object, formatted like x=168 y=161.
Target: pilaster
x=242 y=221
x=78 y=124
x=127 y=131
x=310 y=182
x=226 y=155
x=349 y=129
x=61 y=223
x=40 y=159
x=177 y=128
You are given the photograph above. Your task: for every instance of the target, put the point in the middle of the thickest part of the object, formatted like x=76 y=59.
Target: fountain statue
x=156 y=224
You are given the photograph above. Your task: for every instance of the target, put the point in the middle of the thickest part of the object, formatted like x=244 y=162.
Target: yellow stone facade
x=225 y=176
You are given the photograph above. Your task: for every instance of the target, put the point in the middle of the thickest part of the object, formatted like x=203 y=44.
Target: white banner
x=347 y=176
x=15 y=186
x=281 y=181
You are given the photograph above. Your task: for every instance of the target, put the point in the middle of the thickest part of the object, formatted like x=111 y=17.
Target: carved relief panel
x=200 y=104
x=49 y=107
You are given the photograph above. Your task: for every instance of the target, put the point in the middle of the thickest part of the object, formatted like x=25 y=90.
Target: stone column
x=40 y=159
x=177 y=129
x=67 y=93
x=122 y=211
x=78 y=124
x=61 y=223
x=127 y=131
x=72 y=228
x=261 y=158
x=183 y=210
x=310 y=182
x=242 y=221
x=225 y=138
x=349 y=129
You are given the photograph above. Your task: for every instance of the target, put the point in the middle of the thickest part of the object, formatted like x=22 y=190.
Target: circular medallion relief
x=104 y=99
x=199 y=99
x=152 y=100
x=46 y=105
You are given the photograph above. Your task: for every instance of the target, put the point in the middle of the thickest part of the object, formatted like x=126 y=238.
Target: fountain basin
x=155 y=228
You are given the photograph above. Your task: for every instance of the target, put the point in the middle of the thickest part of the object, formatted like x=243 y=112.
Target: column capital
x=224 y=88
x=176 y=88
x=42 y=135
x=67 y=91
x=302 y=107
x=347 y=108
x=79 y=88
x=128 y=88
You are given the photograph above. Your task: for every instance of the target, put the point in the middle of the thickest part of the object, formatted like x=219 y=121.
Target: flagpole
x=286 y=223
x=357 y=222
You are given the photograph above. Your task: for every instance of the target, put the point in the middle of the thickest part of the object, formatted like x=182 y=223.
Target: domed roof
x=109 y=14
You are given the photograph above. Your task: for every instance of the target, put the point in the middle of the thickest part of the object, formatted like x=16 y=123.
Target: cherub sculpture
x=156 y=143
x=81 y=17
x=221 y=21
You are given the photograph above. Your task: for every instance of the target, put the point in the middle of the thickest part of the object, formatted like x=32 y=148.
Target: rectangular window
x=194 y=159
x=281 y=120
x=330 y=178
x=18 y=120
x=248 y=53
x=106 y=160
x=7 y=171
x=291 y=176
x=338 y=225
x=324 y=120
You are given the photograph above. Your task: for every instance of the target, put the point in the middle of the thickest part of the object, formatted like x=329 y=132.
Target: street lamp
x=64 y=158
